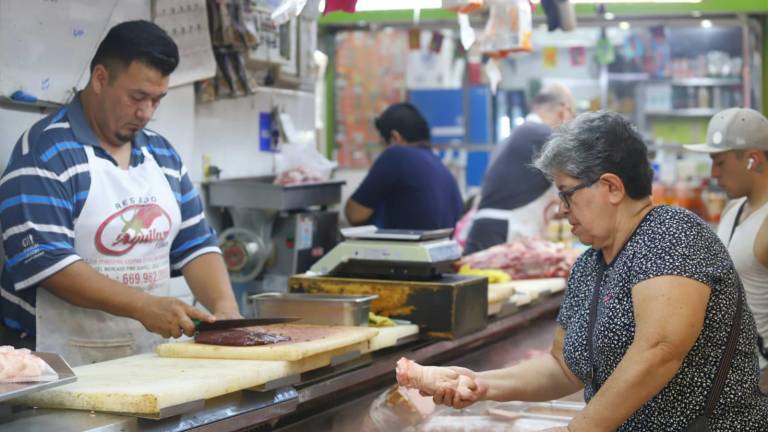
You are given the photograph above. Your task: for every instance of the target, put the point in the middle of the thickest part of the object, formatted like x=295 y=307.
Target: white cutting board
x=336 y=337
x=388 y=336
x=538 y=287
x=146 y=383
x=500 y=292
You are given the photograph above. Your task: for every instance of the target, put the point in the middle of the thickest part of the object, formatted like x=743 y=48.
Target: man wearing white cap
x=737 y=141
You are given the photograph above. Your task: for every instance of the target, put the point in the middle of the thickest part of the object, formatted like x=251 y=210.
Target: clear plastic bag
x=400 y=409
x=301 y=163
x=509 y=28
x=21 y=366
x=288 y=10
x=462 y=6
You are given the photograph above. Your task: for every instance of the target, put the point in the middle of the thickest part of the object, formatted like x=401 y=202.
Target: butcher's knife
x=238 y=323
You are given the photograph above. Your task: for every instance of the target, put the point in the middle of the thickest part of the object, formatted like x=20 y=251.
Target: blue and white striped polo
x=42 y=193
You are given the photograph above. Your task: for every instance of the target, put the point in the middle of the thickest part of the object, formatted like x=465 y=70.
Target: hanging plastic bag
x=287 y=10
x=509 y=28
x=466 y=32
x=567 y=13
x=462 y=6
x=493 y=73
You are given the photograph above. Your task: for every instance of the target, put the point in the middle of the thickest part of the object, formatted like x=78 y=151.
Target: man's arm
x=207 y=277
x=669 y=316
x=357 y=214
x=81 y=285
x=760 y=248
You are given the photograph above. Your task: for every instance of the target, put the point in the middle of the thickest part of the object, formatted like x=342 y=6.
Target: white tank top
x=754 y=276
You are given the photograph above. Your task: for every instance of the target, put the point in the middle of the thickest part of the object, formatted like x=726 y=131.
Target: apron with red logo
x=124 y=231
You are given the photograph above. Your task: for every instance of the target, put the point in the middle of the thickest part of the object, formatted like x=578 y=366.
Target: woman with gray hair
x=653 y=326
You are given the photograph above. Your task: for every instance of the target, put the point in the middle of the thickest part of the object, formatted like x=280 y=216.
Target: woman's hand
x=452 y=398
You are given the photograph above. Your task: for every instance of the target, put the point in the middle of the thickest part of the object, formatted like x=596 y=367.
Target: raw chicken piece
x=19 y=365
x=297 y=175
x=429 y=379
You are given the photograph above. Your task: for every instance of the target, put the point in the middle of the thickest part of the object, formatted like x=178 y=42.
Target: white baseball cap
x=734 y=129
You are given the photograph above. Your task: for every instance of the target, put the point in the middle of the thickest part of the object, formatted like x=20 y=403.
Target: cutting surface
x=500 y=292
x=306 y=340
x=147 y=383
x=388 y=336
x=538 y=287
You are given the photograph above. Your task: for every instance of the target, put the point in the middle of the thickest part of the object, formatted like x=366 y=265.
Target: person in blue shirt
x=408 y=187
x=98 y=213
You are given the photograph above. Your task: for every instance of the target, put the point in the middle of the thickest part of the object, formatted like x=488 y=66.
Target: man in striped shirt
x=98 y=213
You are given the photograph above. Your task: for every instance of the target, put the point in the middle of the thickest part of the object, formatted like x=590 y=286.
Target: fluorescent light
x=609 y=16
x=379 y=5
x=624 y=25
x=706 y=23
x=625 y=1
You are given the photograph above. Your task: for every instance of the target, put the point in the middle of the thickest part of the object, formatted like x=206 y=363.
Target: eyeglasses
x=566 y=194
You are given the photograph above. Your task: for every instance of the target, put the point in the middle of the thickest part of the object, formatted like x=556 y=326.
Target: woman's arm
x=542 y=378
x=669 y=316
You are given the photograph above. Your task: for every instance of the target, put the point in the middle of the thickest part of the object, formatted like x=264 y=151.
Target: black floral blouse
x=668 y=241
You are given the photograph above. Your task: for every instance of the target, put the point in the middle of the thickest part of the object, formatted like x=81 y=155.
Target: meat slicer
x=368 y=252
x=272 y=231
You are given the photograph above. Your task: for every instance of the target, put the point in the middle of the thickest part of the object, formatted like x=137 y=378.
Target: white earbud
x=750 y=163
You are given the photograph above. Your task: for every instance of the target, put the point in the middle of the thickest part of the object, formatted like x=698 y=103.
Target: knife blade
x=238 y=323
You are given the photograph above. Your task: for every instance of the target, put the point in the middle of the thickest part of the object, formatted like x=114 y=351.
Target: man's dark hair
x=141 y=41
x=406 y=120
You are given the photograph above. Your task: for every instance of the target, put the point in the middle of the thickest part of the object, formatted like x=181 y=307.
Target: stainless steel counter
x=290 y=406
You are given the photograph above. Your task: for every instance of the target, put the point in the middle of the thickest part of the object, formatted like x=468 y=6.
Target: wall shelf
x=684 y=112
x=699 y=82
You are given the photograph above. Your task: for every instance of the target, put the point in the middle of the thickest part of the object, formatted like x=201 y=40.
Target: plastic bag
x=287 y=10
x=509 y=28
x=462 y=6
x=301 y=163
x=399 y=408
x=20 y=365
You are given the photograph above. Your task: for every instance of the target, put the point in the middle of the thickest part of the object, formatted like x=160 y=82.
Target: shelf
x=628 y=76
x=680 y=82
x=39 y=106
x=705 y=82
x=685 y=112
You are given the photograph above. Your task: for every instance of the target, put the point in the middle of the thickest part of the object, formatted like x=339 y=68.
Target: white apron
x=529 y=220
x=124 y=231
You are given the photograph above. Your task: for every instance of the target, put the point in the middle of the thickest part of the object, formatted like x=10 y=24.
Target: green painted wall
x=764 y=100
x=330 y=94
x=706 y=6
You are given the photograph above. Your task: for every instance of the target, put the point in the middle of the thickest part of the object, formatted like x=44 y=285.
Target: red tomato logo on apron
x=131 y=226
